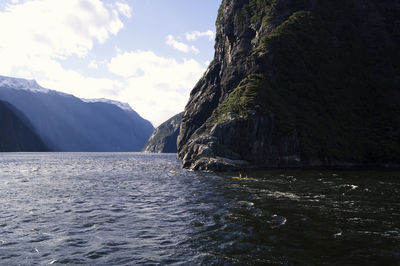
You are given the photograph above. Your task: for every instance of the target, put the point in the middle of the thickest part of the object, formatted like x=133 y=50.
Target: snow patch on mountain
x=21 y=84
x=123 y=106
x=33 y=86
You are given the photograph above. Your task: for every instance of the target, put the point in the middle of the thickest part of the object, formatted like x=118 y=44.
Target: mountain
x=17 y=133
x=163 y=139
x=67 y=123
x=305 y=83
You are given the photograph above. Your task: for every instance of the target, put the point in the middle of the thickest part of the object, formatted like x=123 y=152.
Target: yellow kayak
x=242 y=178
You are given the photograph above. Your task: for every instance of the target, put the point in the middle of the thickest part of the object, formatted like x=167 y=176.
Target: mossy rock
x=324 y=84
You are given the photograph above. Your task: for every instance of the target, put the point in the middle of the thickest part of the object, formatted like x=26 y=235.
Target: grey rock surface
x=326 y=90
x=163 y=139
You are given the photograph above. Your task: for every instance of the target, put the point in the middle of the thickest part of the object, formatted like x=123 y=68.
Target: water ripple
x=130 y=208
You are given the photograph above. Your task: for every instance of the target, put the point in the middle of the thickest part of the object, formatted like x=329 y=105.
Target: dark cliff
x=17 y=133
x=297 y=84
x=163 y=139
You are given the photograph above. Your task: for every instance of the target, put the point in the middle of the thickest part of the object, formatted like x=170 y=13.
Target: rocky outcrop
x=163 y=139
x=298 y=84
x=17 y=133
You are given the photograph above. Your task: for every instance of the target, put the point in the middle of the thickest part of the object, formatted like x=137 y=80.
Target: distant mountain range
x=67 y=123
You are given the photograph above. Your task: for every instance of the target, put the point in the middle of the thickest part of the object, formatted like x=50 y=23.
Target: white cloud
x=51 y=74
x=194 y=35
x=93 y=65
x=156 y=86
x=124 y=9
x=36 y=35
x=180 y=46
x=56 y=29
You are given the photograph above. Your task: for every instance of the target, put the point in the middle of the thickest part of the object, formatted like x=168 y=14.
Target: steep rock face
x=67 y=123
x=163 y=139
x=17 y=133
x=298 y=83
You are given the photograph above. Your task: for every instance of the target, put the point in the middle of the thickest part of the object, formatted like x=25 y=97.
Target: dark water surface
x=128 y=208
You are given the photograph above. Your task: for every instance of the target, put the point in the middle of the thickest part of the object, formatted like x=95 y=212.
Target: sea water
x=135 y=208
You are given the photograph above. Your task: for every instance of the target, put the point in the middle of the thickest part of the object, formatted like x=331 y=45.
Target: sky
x=148 y=53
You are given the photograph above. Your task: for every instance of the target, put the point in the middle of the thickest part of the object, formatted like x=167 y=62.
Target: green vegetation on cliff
x=163 y=139
x=330 y=80
x=252 y=12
